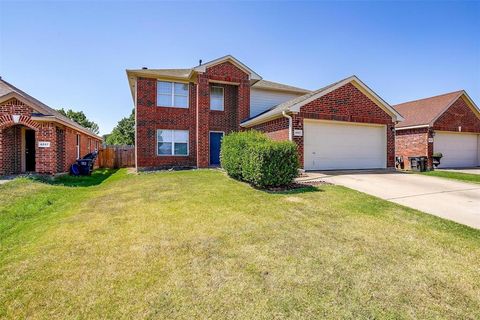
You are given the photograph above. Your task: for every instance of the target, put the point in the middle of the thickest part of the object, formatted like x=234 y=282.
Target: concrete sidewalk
x=449 y=199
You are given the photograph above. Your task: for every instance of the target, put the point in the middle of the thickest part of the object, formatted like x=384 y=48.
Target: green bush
x=233 y=150
x=252 y=157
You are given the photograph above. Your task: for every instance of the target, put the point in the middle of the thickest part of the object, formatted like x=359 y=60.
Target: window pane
x=216 y=98
x=216 y=92
x=165 y=148
x=164 y=135
x=216 y=104
x=181 y=136
x=164 y=101
x=164 y=87
x=181 y=149
x=180 y=101
x=181 y=89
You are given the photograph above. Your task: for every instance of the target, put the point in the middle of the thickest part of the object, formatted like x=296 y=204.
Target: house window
x=172 y=94
x=89 y=144
x=172 y=142
x=217 y=98
x=78 y=146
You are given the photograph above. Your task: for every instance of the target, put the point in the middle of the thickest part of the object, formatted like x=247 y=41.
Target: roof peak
x=432 y=97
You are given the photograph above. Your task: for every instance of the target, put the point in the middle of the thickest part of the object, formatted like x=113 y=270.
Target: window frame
x=173 y=142
x=78 y=146
x=172 y=94
x=223 y=98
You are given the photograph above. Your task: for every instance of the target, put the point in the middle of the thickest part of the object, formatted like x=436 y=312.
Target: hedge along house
x=344 y=125
x=448 y=124
x=35 y=138
x=181 y=115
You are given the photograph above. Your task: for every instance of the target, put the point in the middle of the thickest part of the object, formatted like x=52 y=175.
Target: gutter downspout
x=284 y=113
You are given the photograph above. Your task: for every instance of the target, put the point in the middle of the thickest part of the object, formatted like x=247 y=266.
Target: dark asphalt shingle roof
x=425 y=111
x=7 y=88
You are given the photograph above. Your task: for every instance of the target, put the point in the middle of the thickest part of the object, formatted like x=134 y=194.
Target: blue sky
x=74 y=54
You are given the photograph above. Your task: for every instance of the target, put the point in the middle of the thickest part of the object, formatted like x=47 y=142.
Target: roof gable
x=424 y=112
x=9 y=91
x=294 y=105
x=228 y=58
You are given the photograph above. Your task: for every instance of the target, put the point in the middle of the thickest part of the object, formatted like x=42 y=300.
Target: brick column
x=430 y=149
x=2 y=172
x=45 y=158
x=390 y=145
x=243 y=104
x=203 y=113
x=297 y=124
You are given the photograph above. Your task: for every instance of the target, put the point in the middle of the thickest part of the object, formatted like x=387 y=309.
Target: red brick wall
x=237 y=107
x=225 y=120
x=412 y=143
x=14 y=106
x=276 y=129
x=11 y=139
x=459 y=114
x=150 y=117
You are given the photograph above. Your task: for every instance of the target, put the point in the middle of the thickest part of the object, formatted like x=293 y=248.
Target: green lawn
x=465 y=177
x=198 y=245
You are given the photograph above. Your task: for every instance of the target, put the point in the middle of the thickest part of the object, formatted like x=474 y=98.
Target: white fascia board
x=264 y=117
x=413 y=127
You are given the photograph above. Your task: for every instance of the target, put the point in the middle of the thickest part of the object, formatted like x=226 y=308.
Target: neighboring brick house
x=181 y=115
x=448 y=124
x=36 y=138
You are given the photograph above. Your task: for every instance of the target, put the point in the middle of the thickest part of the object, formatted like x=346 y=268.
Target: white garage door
x=458 y=149
x=332 y=145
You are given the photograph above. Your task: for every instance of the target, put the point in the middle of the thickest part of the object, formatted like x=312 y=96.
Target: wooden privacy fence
x=116 y=157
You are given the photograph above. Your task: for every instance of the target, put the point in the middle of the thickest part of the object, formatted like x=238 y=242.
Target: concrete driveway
x=449 y=199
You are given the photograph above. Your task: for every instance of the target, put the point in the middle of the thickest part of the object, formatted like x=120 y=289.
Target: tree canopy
x=80 y=118
x=124 y=131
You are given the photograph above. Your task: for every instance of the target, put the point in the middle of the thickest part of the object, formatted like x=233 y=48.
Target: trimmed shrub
x=252 y=157
x=233 y=150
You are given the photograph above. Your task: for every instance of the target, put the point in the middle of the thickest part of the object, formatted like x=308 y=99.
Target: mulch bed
x=298 y=185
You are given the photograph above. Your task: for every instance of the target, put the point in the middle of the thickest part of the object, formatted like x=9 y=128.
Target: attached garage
x=458 y=149
x=342 y=126
x=334 y=145
x=448 y=124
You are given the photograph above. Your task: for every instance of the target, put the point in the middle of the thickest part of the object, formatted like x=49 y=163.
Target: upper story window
x=172 y=94
x=217 y=98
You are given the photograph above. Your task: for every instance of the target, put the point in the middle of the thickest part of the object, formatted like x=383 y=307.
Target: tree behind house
x=80 y=118
x=124 y=131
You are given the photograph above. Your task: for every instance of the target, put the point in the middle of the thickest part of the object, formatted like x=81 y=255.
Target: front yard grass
x=461 y=176
x=198 y=245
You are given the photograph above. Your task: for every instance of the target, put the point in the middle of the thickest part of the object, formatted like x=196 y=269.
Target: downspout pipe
x=284 y=113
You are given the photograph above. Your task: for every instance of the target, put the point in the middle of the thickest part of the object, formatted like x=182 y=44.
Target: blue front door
x=215 y=143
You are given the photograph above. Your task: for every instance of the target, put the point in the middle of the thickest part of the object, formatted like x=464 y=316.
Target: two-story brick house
x=181 y=115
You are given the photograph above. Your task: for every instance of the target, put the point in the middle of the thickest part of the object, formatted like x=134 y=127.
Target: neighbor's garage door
x=458 y=149
x=332 y=145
